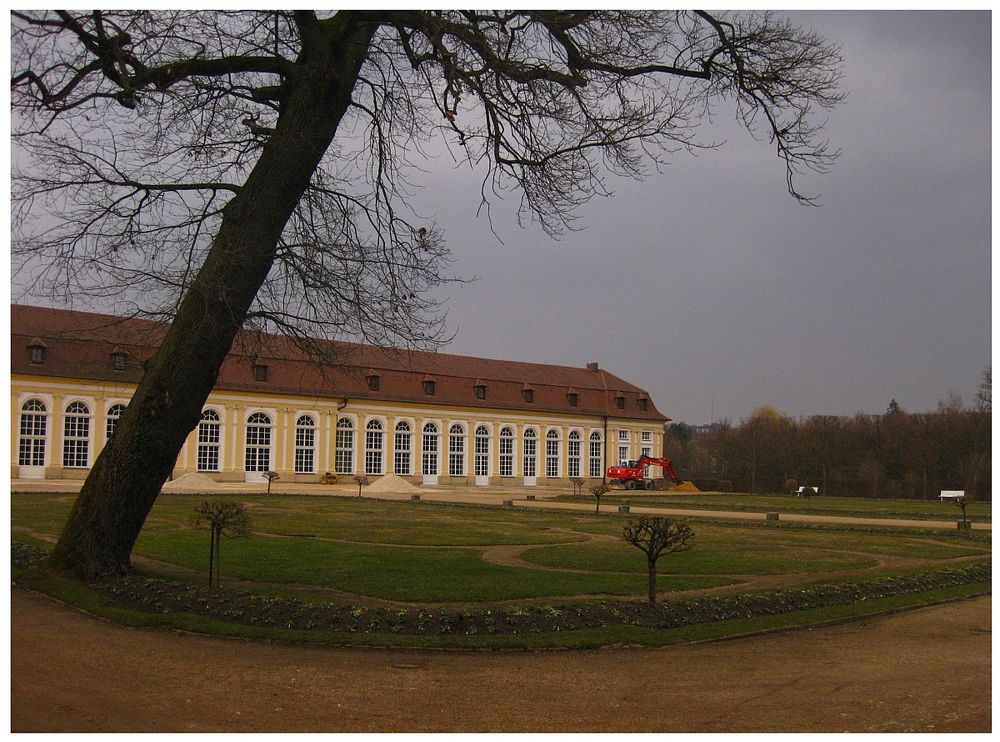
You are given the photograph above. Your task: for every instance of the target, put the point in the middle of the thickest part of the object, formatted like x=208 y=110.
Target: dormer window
x=119 y=359
x=36 y=351
x=260 y=371
x=373 y=382
x=429 y=385
x=529 y=394
x=643 y=403
x=620 y=401
x=573 y=398
x=480 y=390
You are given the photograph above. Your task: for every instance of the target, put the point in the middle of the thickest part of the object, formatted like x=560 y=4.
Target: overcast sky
x=709 y=286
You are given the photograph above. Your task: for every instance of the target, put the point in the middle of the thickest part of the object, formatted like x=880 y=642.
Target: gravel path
x=923 y=670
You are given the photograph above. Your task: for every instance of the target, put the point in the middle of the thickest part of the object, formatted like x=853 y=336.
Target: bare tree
x=599 y=491
x=224 y=518
x=250 y=169
x=656 y=536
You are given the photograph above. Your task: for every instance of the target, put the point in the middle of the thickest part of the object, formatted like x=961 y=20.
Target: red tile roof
x=80 y=344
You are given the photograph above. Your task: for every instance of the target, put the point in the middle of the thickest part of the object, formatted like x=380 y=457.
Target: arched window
x=305 y=445
x=482 y=451
x=552 y=453
x=596 y=455
x=506 y=451
x=34 y=429
x=573 y=455
x=209 y=441
x=456 y=451
x=374 y=448
x=76 y=436
x=114 y=412
x=402 y=462
x=530 y=452
x=258 y=448
x=345 y=446
x=430 y=450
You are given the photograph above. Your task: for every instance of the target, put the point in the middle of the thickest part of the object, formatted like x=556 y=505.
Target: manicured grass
x=843 y=506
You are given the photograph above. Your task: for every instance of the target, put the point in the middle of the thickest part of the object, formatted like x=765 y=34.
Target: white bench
x=812 y=491
x=952 y=495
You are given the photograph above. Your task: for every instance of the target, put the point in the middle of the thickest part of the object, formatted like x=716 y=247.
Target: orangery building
x=431 y=418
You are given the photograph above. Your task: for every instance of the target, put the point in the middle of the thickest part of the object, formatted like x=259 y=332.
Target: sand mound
x=192 y=481
x=392 y=483
x=686 y=487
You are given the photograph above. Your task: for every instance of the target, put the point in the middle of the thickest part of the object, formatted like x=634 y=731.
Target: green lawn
x=980 y=512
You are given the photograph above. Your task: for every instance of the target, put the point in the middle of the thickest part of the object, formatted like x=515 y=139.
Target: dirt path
x=924 y=670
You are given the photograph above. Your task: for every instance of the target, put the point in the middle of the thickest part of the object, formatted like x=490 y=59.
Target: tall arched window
x=456 y=451
x=402 y=456
x=429 y=457
x=530 y=452
x=76 y=436
x=209 y=441
x=552 y=453
x=258 y=448
x=345 y=446
x=482 y=451
x=596 y=455
x=506 y=451
x=305 y=445
x=34 y=431
x=573 y=455
x=374 y=448
x=114 y=412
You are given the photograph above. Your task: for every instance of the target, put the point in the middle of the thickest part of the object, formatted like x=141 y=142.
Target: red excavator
x=631 y=475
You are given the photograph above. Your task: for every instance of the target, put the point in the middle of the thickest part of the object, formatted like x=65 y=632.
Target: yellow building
x=431 y=418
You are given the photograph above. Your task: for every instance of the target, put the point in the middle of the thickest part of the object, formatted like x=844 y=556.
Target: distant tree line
x=896 y=454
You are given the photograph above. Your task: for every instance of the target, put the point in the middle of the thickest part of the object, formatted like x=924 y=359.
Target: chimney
x=593 y=366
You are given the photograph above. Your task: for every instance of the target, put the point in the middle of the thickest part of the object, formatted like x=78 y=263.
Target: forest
x=895 y=454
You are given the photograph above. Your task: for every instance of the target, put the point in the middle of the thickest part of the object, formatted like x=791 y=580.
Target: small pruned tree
x=656 y=536
x=225 y=518
x=577 y=483
x=599 y=491
x=271 y=476
x=362 y=482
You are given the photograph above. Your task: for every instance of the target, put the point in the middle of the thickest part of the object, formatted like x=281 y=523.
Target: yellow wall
x=234 y=409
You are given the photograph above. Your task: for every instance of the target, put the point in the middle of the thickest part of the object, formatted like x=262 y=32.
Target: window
x=573 y=455
x=482 y=451
x=119 y=358
x=260 y=372
x=209 y=439
x=622 y=455
x=429 y=458
x=552 y=454
x=623 y=436
x=403 y=455
x=373 y=382
x=528 y=394
x=76 y=436
x=258 y=442
x=34 y=426
x=480 y=390
x=620 y=401
x=344 y=455
x=647 y=436
x=506 y=451
x=643 y=403
x=374 y=444
x=305 y=445
x=530 y=452
x=429 y=386
x=456 y=451
x=36 y=351
x=596 y=455
x=114 y=412
x=573 y=398
x=646 y=451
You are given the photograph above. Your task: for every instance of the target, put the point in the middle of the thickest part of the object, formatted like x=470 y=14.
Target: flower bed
x=237 y=606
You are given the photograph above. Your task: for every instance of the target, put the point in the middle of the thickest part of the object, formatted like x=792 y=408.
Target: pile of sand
x=392 y=483
x=687 y=486
x=192 y=481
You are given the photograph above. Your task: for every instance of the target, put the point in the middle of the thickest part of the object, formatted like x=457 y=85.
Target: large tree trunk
x=127 y=476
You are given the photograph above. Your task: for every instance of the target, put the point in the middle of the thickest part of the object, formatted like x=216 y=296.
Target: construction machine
x=631 y=474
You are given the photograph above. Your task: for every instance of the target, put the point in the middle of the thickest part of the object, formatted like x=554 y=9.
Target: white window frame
x=624 y=436
x=574 y=445
x=77 y=426
x=596 y=460
x=33 y=430
x=114 y=413
x=258 y=439
x=481 y=452
x=456 y=450
x=304 y=454
x=344 y=446
x=530 y=448
x=552 y=444
x=430 y=456
x=209 y=448
x=374 y=447
x=402 y=449
x=507 y=450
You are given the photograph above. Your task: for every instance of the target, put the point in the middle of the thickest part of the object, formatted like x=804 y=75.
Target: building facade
x=430 y=418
